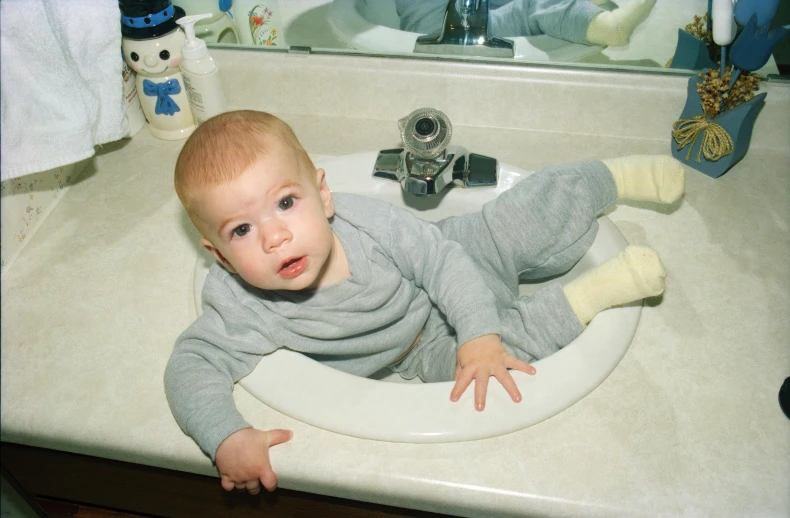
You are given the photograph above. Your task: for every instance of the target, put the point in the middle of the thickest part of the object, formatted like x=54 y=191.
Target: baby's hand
x=481 y=358
x=243 y=459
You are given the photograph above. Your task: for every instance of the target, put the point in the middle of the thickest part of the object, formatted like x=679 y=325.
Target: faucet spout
x=476 y=10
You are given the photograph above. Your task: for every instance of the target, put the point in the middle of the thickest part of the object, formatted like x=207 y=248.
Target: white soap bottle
x=201 y=73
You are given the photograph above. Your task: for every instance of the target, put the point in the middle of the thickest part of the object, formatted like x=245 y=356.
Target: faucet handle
x=387 y=163
x=425 y=132
x=476 y=170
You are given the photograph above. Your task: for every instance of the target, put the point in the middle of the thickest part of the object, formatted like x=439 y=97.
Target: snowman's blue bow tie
x=165 y=105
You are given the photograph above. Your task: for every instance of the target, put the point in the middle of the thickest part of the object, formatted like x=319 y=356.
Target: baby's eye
x=164 y=55
x=134 y=56
x=241 y=230
x=286 y=203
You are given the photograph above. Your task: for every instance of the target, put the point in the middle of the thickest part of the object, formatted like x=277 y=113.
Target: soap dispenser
x=201 y=73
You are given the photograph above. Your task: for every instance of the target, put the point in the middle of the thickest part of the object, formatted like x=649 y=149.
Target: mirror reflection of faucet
x=466 y=27
x=427 y=163
x=377 y=26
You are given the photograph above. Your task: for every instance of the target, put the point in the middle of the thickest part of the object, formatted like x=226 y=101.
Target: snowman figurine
x=151 y=45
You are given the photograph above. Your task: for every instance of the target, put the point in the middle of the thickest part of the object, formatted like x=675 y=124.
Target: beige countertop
x=688 y=423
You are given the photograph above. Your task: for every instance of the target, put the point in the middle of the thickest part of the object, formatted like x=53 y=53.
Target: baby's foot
x=646 y=269
x=614 y=28
x=656 y=178
x=633 y=274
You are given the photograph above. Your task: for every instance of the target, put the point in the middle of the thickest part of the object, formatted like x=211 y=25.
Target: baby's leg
x=635 y=273
x=544 y=224
x=563 y=19
x=425 y=17
x=614 y=28
x=539 y=325
x=541 y=226
x=657 y=178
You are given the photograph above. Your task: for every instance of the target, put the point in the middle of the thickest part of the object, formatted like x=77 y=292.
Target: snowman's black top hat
x=145 y=19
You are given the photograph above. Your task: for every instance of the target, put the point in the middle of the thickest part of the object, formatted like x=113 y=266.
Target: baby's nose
x=150 y=60
x=275 y=237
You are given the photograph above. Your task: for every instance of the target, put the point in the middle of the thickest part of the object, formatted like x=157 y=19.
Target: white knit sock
x=657 y=178
x=614 y=28
x=633 y=274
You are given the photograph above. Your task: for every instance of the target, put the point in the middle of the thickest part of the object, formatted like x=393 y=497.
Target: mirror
x=374 y=27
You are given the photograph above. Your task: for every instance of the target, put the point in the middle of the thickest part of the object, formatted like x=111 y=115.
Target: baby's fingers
x=253 y=486
x=269 y=480
x=227 y=483
x=481 y=387
x=462 y=381
x=507 y=381
x=519 y=365
x=278 y=436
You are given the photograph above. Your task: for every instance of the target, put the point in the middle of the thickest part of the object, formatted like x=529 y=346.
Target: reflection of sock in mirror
x=614 y=28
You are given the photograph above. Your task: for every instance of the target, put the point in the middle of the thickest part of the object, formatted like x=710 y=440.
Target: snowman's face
x=156 y=56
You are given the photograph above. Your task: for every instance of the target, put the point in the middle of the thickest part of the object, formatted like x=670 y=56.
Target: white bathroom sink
x=374 y=27
x=422 y=412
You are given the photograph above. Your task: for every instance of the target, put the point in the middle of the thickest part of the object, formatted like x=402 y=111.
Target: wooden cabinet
x=134 y=488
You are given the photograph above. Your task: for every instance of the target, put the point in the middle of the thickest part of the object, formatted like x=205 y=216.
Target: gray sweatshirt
x=399 y=264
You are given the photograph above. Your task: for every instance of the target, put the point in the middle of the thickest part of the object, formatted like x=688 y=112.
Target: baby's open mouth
x=292 y=267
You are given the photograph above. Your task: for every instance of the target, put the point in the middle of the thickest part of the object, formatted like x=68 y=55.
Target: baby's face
x=270 y=225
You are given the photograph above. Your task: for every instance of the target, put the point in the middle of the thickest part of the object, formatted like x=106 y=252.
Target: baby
x=577 y=21
x=360 y=285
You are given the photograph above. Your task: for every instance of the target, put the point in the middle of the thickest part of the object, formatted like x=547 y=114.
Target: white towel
x=61 y=90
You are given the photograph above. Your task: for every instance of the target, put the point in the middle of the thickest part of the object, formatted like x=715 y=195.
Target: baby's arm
x=206 y=411
x=222 y=346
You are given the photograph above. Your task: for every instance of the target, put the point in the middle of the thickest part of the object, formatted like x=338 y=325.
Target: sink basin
x=374 y=27
x=386 y=408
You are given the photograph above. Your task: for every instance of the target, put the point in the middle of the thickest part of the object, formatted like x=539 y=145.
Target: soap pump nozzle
x=193 y=47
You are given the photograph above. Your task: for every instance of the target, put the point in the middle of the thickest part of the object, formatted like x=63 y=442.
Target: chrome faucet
x=427 y=163
x=465 y=31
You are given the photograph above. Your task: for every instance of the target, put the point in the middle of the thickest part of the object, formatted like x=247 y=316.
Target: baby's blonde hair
x=224 y=146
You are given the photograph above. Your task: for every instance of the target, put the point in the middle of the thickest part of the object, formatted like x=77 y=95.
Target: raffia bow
x=716 y=142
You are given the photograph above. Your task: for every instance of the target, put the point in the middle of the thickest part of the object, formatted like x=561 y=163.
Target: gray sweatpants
x=538 y=229
x=564 y=19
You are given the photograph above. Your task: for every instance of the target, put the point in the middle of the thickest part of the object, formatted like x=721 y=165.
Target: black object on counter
x=784 y=397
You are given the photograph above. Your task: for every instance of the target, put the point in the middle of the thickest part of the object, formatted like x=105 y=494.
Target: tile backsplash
x=24 y=204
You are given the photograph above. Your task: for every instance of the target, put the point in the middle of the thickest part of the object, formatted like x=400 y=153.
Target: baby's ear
x=217 y=254
x=326 y=194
